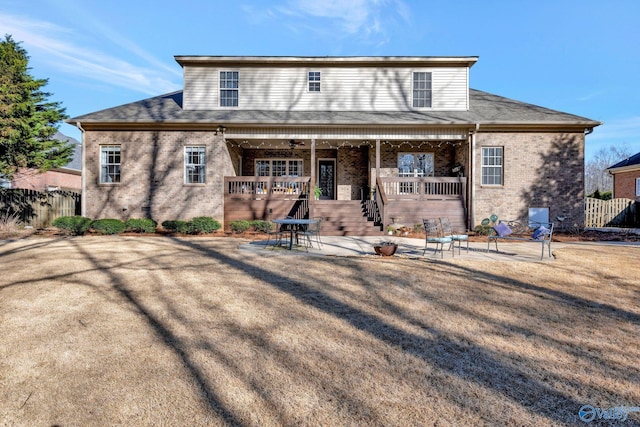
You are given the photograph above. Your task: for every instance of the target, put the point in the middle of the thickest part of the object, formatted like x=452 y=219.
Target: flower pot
x=385 y=250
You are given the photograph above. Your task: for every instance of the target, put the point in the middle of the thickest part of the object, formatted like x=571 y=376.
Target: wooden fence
x=37 y=208
x=611 y=213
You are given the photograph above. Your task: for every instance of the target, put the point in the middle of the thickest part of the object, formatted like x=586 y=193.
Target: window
x=278 y=167
x=421 y=89
x=314 y=81
x=637 y=187
x=194 y=165
x=414 y=165
x=109 y=164
x=228 y=88
x=491 y=165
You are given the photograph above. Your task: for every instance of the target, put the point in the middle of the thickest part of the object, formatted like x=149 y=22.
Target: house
x=384 y=139
x=64 y=178
x=626 y=178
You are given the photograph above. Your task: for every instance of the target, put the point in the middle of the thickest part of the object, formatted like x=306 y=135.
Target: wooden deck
x=401 y=200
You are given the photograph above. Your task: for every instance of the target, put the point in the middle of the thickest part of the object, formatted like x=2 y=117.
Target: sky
x=577 y=56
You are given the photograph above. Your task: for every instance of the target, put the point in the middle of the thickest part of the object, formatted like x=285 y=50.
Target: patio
x=346 y=246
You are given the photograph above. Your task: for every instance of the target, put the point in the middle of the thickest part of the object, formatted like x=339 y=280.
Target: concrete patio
x=346 y=246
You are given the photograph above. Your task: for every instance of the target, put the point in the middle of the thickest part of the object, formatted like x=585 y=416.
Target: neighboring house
x=68 y=177
x=384 y=138
x=626 y=178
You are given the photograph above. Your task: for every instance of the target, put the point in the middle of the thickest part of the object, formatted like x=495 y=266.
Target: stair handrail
x=381 y=201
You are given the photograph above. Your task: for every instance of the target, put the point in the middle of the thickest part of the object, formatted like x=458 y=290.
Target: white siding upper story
x=342 y=88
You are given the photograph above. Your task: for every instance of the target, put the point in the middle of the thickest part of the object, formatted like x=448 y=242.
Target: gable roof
x=486 y=109
x=630 y=163
x=76 y=160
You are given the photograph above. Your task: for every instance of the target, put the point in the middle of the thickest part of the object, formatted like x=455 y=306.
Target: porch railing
x=411 y=188
x=258 y=187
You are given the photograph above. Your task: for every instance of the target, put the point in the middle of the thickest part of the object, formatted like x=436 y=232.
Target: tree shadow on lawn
x=442 y=351
x=453 y=355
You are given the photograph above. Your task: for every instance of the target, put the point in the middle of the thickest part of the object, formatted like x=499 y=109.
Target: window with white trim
x=194 y=165
x=492 y=161
x=421 y=89
x=637 y=187
x=229 y=88
x=314 y=81
x=278 y=167
x=110 y=159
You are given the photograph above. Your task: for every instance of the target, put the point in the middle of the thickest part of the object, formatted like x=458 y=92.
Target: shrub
x=203 y=224
x=483 y=229
x=141 y=225
x=240 y=225
x=108 y=226
x=176 y=226
x=262 y=226
x=76 y=225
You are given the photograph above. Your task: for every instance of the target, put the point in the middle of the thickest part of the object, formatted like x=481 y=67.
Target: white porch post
x=377 y=159
x=312 y=184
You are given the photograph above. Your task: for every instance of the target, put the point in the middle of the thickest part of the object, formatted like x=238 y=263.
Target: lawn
x=192 y=331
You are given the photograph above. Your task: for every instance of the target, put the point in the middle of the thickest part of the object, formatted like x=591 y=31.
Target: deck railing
x=259 y=187
x=410 y=188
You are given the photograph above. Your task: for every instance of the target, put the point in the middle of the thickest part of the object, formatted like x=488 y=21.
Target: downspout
x=83 y=182
x=472 y=194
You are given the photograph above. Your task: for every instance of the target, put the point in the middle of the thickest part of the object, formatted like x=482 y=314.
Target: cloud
x=369 y=20
x=57 y=48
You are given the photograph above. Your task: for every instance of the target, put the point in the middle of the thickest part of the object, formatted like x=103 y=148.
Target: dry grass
x=172 y=331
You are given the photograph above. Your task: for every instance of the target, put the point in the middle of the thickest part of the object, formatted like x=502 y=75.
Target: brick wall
x=624 y=185
x=544 y=170
x=62 y=179
x=152 y=176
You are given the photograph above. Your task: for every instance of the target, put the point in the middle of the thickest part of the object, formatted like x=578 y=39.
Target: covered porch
x=357 y=185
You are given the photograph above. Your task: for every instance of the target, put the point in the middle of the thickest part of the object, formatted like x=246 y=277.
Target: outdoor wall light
x=220 y=130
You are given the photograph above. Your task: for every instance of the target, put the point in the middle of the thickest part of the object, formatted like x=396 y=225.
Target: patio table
x=293 y=224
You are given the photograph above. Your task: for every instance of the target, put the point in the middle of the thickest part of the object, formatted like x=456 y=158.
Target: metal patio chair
x=448 y=232
x=434 y=234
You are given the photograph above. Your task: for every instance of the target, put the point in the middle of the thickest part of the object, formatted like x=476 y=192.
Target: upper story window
x=314 y=81
x=228 y=88
x=109 y=164
x=492 y=160
x=194 y=165
x=637 y=187
x=421 y=89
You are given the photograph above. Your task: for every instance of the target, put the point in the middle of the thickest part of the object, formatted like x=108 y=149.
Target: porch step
x=344 y=218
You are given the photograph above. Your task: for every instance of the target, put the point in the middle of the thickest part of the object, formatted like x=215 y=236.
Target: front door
x=326 y=178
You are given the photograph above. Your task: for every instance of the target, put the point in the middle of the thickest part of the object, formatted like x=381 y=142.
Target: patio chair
x=448 y=232
x=273 y=230
x=312 y=230
x=434 y=234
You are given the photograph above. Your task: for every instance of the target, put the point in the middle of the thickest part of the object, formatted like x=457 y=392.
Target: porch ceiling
x=359 y=134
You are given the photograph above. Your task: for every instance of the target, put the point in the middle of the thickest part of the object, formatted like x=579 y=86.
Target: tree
x=595 y=170
x=28 y=120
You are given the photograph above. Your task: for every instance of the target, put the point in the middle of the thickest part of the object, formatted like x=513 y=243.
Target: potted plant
x=317 y=192
x=386 y=248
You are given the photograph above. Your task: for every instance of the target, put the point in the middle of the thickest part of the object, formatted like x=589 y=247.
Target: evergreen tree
x=28 y=119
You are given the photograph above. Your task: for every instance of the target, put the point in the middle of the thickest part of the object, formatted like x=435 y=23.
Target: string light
x=336 y=145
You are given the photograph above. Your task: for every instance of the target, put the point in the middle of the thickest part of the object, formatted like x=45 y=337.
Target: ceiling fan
x=293 y=143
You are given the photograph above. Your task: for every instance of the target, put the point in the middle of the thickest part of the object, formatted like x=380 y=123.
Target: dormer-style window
x=228 y=88
x=421 y=89
x=314 y=81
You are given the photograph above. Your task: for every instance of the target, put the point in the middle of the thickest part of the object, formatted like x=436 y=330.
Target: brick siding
x=624 y=185
x=542 y=170
x=152 y=176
